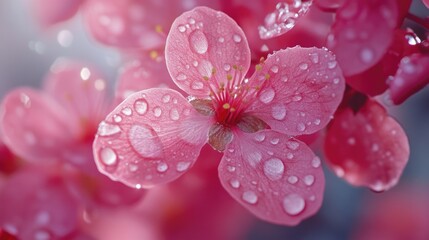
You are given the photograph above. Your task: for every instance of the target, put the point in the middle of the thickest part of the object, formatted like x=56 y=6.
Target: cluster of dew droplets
x=283 y=18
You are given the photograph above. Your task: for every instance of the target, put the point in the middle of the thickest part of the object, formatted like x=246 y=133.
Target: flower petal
x=37 y=205
x=412 y=76
x=34 y=125
x=357 y=42
x=367 y=148
x=277 y=178
x=300 y=88
x=152 y=137
x=82 y=91
x=50 y=12
x=203 y=47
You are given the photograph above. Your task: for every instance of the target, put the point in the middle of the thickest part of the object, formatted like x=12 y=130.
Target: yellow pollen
x=213 y=71
x=262 y=60
x=229 y=77
x=158 y=29
x=232 y=109
x=206 y=78
x=226 y=106
x=153 y=54
x=267 y=76
x=234 y=67
x=258 y=67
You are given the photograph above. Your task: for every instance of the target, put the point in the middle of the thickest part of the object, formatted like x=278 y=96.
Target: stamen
x=158 y=29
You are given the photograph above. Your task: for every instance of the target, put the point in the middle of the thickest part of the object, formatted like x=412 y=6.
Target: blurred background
x=27 y=52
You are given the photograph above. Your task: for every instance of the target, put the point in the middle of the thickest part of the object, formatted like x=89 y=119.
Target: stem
x=418 y=20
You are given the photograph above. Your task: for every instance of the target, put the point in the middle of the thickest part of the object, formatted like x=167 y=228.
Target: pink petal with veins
x=34 y=125
x=277 y=178
x=50 y=12
x=357 y=42
x=203 y=48
x=37 y=205
x=412 y=76
x=300 y=88
x=367 y=148
x=153 y=137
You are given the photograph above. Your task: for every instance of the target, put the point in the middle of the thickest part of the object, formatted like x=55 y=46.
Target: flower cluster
x=216 y=102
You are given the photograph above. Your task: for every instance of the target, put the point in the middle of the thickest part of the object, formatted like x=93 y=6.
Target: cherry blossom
x=160 y=133
x=365 y=146
x=51 y=12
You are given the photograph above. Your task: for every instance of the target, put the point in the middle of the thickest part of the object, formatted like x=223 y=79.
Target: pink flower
x=155 y=135
x=51 y=12
x=365 y=146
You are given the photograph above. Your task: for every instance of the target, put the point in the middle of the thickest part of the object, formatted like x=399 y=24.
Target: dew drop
x=375 y=147
x=316 y=162
x=162 y=167
x=267 y=95
x=351 y=141
x=332 y=64
x=174 y=114
x=181 y=77
x=145 y=141
x=236 y=38
x=366 y=55
x=183 y=166
x=197 y=85
x=181 y=28
x=300 y=127
x=250 y=197
x=253 y=158
x=226 y=67
x=234 y=183
x=275 y=141
x=274 y=69
x=292 y=179
x=166 y=98
x=140 y=106
x=317 y=121
x=309 y=180
x=85 y=74
x=259 y=137
x=230 y=168
x=314 y=57
x=278 y=111
x=108 y=156
x=195 y=63
x=274 y=169
x=117 y=118
x=292 y=145
x=127 y=111
x=303 y=66
x=107 y=129
x=297 y=98
x=339 y=171
x=284 y=79
x=336 y=80
x=293 y=204
x=157 y=112
x=198 y=41
x=133 y=167
x=221 y=39
x=289 y=155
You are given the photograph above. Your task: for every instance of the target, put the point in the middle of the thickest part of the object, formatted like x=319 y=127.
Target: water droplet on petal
x=366 y=55
x=297 y=98
x=332 y=64
x=166 y=98
x=317 y=121
x=127 y=111
x=162 y=167
x=267 y=95
x=259 y=137
x=117 y=118
x=300 y=127
x=278 y=111
x=316 y=162
x=183 y=166
x=236 y=38
x=284 y=79
x=107 y=129
x=145 y=141
x=198 y=41
x=273 y=169
x=275 y=141
x=250 y=197
x=157 y=112
x=314 y=57
x=181 y=28
x=253 y=158
x=309 y=180
x=85 y=74
x=140 y=106
x=293 y=204
x=274 y=69
x=181 y=77
x=197 y=85
x=174 y=114
x=230 y=168
x=292 y=145
x=133 y=167
x=303 y=66
x=234 y=183
x=226 y=67
x=292 y=179
x=289 y=155
x=351 y=141
x=221 y=39
x=108 y=156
